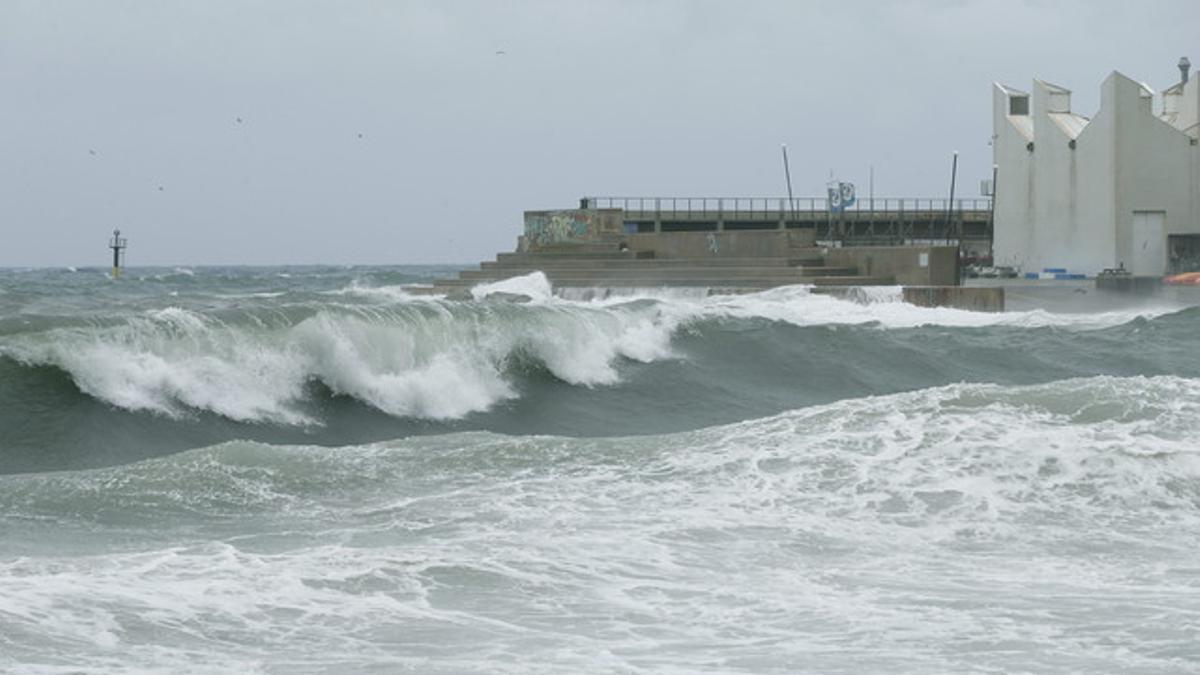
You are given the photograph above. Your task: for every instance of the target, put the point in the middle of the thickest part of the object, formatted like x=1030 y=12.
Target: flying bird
x=239 y=120
x=91 y=152
x=500 y=52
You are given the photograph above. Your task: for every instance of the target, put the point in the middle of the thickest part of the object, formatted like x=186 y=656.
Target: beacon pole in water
x=117 y=244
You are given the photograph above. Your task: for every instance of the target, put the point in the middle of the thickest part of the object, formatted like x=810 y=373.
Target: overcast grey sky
x=122 y=113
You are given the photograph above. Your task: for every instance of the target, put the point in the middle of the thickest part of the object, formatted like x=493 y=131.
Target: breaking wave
x=436 y=360
x=433 y=358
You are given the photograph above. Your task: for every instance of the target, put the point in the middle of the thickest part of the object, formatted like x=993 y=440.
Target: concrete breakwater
x=588 y=248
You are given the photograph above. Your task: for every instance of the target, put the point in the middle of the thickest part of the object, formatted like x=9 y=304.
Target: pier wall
x=569 y=226
x=972 y=299
x=701 y=245
x=908 y=265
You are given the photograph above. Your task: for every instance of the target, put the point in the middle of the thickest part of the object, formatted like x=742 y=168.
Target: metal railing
x=772 y=207
x=878 y=219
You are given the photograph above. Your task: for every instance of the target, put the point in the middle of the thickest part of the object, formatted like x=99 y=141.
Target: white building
x=1121 y=188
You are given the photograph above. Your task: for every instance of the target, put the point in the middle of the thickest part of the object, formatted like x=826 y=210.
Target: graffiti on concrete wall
x=552 y=227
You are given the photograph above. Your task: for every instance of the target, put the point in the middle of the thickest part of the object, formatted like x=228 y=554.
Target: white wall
x=1072 y=207
x=1014 y=187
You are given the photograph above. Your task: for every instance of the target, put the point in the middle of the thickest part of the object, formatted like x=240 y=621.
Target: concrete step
x=658 y=283
x=715 y=286
x=661 y=272
x=611 y=245
x=802 y=260
x=576 y=255
x=534 y=261
x=851 y=281
x=728 y=280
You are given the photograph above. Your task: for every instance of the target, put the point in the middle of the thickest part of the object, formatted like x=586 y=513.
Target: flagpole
x=787 y=172
x=950 y=205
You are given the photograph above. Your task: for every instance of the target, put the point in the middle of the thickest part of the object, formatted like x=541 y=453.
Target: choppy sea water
x=316 y=470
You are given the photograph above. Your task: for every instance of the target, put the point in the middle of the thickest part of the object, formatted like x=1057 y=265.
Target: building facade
x=1121 y=189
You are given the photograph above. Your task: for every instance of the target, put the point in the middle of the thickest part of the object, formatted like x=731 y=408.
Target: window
x=1018 y=105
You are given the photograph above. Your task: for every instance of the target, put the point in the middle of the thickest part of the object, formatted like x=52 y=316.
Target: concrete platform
x=1080 y=296
x=720 y=262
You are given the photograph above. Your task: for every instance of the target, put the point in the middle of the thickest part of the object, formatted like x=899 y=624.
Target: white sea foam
x=422 y=359
x=956 y=529
x=534 y=286
x=433 y=358
x=385 y=294
x=173 y=360
x=612 y=295
x=799 y=305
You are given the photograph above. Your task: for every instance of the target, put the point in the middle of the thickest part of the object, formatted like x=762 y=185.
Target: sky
x=372 y=132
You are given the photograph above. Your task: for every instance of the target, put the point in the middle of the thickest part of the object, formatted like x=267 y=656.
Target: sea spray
x=436 y=360
x=112 y=373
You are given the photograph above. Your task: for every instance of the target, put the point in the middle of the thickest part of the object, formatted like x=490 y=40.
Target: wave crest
x=426 y=357
x=423 y=359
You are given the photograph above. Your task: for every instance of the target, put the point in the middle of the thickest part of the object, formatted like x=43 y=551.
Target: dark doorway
x=1183 y=253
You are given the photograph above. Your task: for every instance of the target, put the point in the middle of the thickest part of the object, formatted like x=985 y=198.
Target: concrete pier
x=958 y=297
x=747 y=245
x=586 y=251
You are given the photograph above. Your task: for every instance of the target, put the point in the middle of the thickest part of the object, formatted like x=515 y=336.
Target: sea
x=328 y=470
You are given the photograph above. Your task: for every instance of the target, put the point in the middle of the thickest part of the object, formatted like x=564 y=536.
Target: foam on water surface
x=1047 y=528
x=427 y=357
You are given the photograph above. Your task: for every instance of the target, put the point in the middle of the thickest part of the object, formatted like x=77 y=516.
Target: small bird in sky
x=500 y=52
x=92 y=152
x=360 y=135
x=238 y=119
x=160 y=188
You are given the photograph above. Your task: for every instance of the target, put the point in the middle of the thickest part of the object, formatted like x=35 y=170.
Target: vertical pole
x=787 y=172
x=950 y=205
x=829 y=216
x=992 y=215
x=871 y=197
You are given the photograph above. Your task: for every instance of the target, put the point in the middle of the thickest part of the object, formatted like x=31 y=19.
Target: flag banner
x=841 y=195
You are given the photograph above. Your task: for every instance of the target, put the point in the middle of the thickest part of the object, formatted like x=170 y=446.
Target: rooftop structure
x=1121 y=189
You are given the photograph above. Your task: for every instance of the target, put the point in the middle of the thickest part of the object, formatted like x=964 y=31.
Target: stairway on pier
x=606 y=265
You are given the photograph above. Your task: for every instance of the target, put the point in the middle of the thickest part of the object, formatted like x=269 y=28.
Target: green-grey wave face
x=183 y=359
